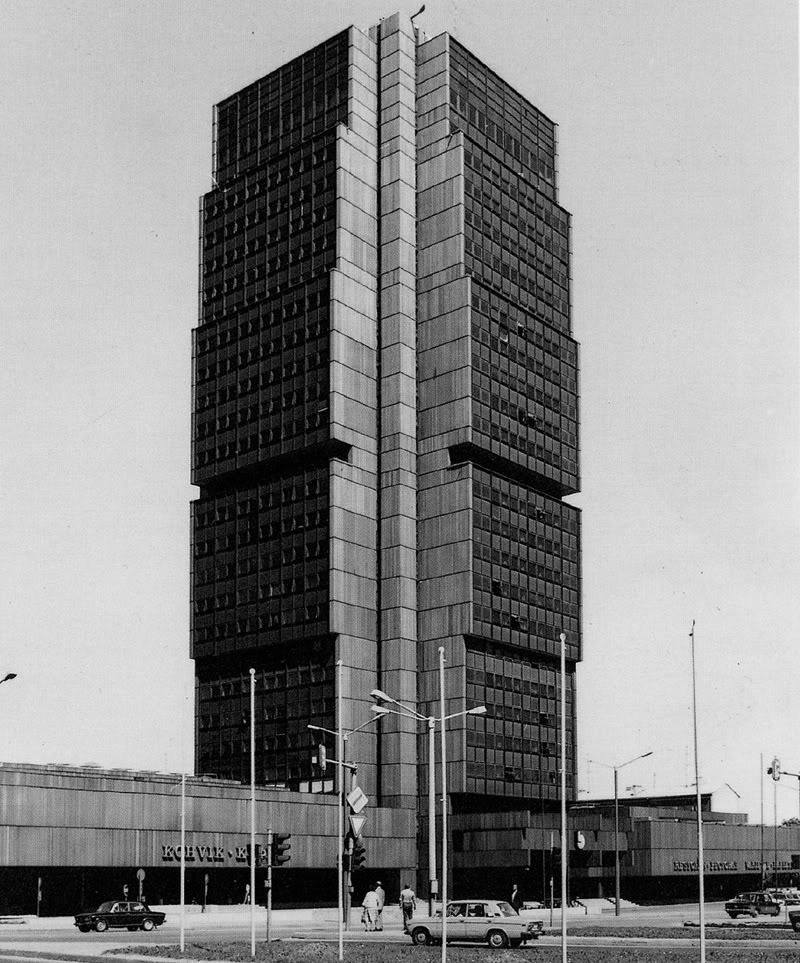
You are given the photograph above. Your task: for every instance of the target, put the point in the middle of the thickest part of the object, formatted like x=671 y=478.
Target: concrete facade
x=79 y=835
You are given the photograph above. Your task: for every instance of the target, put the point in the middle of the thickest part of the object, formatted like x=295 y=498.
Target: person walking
x=516 y=898
x=408 y=903
x=369 y=915
x=381 y=894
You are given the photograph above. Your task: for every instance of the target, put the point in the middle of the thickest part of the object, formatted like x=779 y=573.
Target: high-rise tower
x=385 y=421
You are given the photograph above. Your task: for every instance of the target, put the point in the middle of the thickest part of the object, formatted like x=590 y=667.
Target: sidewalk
x=215 y=916
x=285 y=923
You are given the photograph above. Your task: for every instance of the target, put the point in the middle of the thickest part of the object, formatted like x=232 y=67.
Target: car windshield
x=506 y=909
x=105 y=907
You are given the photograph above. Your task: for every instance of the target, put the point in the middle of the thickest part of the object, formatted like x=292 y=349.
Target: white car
x=490 y=921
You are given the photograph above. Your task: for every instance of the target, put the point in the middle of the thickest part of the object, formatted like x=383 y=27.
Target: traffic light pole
x=269 y=884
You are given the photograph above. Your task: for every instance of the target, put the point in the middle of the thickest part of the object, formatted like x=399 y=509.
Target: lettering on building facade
x=207 y=854
x=709 y=866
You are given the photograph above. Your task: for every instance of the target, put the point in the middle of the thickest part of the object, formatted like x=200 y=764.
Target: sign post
x=356 y=799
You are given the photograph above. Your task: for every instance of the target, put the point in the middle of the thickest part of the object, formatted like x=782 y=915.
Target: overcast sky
x=679 y=163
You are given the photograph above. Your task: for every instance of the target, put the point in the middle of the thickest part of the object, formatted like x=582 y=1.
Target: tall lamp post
x=410 y=713
x=616 y=823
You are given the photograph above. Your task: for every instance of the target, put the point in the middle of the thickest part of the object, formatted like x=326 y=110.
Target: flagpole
x=252 y=812
x=442 y=705
x=340 y=804
x=700 y=866
x=563 y=799
x=183 y=858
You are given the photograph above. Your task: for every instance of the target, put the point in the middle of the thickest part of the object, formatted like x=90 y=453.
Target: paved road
x=58 y=939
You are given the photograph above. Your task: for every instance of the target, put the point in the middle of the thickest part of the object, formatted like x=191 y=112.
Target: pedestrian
x=516 y=898
x=408 y=903
x=381 y=894
x=369 y=915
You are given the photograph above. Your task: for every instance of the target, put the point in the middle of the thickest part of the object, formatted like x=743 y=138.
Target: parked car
x=794 y=920
x=119 y=915
x=787 y=896
x=490 y=921
x=752 y=904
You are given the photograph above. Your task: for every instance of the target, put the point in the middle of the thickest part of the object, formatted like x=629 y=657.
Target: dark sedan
x=119 y=915
x=752 y=904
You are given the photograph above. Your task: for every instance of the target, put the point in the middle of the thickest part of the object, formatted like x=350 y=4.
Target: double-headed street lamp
x=410 y=713
x=616 y=822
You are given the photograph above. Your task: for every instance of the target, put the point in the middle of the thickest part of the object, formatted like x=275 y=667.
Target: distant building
x=657 y=844
x=386 y=424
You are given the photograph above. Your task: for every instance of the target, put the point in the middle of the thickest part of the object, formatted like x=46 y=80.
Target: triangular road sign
x=357 y=824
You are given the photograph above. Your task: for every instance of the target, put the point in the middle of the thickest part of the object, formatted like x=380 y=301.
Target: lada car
x=119 y=914
x=752 y=904
x=490 y=921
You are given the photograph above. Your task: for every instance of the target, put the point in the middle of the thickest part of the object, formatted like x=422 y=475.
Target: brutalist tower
x=386 y=423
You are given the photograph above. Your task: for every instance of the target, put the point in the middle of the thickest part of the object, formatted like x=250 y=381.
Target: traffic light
x=775 y=770
x=322 y=757
x=280 y=848
x=358 y=857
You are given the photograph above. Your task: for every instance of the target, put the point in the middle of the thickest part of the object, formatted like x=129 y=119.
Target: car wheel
x=84 y=929
x=754 y=913
x=100 y=926
x=420 y=936
x=733 y=916
x=796 y=926
x=132 y=929
x=147 y=925
x=497 y=939
x=515 y=944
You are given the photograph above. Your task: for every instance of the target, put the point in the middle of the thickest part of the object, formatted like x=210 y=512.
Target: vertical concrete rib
x=397 y=401
x=353 y=400
x=445 y=400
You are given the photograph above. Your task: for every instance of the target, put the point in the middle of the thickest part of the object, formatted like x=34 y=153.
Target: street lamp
x=9 y=676
x=775 y=771
x=785 y=772
x=616 y=823
x=410 y=713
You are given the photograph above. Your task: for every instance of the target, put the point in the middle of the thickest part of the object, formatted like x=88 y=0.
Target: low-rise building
x=71 y=837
